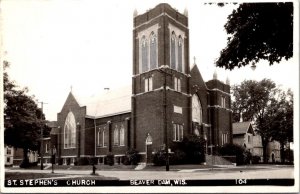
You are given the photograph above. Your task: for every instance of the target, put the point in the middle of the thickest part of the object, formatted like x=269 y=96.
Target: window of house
x=8 y=159
x=70 y=131
x=177 y=84
x=148 y=84
x=8 y=151
x=248 y=138
x=177 y=132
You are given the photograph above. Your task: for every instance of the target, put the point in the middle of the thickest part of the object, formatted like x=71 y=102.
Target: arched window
x=122 y=135
x=144 y=51
x=70 y=131
x=173 y=51
x=116 y=135
x=101 y=137
x=153 y=51
x=180 y=54
x=196 y=109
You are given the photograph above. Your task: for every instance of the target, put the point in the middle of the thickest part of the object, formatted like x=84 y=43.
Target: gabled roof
x=241 y=128
x=105 y=103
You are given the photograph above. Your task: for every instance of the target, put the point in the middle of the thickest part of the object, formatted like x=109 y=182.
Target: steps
x=140 y=166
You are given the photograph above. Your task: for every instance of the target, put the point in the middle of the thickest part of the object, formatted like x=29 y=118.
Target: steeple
x=227 y=81
x=135 y=13
x=186 y=12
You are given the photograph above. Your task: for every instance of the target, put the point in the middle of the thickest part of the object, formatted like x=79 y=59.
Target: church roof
x=240 y=127
x=107 y=102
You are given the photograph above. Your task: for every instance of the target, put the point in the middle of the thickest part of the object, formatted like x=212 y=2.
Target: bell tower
x=160 y=81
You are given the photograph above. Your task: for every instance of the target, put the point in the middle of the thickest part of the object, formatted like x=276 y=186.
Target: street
x=241 y=172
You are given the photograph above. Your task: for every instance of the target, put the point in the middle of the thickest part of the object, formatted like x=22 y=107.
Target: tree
x=256 y=101
x=282 y=127
x=258 y=31
x=23 y=119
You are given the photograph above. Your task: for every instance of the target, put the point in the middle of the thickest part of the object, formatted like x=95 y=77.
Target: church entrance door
x=149 y=149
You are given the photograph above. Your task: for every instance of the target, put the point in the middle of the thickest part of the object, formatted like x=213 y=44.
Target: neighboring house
x=8 y=155
x=244 y=134
x=14 y=156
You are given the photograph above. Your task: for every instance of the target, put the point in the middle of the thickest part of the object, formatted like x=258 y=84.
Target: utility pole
x=42 y=130
x=165 y=116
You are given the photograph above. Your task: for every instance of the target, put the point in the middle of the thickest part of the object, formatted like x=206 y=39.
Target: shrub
x=255 y=159
x=60 y=161
x=159 y=158
x=93 y=161
x=178 y=157
x=131 y=157
x=242 y=156
x=110 y=159
x=82 y=161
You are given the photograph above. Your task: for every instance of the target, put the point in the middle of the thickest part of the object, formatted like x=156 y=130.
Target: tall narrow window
x=103 y=137
x=70 y=131
x=177 y=84
x=177 y=132
x=153 y=51
x=180 y=56
x=122 y=135
x=223 y=102
x=99 y=137
x=174 y=132
x=196 y=109
x=144 y=54
x=173 y=51
x=148 y=84
x=116 y=135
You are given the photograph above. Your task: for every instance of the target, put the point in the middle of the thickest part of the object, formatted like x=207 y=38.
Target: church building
x=167 y=99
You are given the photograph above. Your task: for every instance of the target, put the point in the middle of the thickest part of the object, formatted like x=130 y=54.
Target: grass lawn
x=21 y=175
x=25 y=175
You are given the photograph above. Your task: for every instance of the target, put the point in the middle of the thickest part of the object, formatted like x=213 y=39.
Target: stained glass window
x=70 y=131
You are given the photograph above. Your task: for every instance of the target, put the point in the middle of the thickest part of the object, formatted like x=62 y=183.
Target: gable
x=71 y=101
x=242 y=128
x=196 y=78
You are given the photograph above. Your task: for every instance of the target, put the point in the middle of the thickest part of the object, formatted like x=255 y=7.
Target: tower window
x=148 y=49
x=144 y=54
x=148 y=84
x=180 y=54
x=177 y=84
x=173 y=51
x=223 y=102
x=153 y=51
x=176 y=49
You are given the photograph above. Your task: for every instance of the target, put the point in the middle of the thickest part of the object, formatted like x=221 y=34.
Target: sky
x=55 y=45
